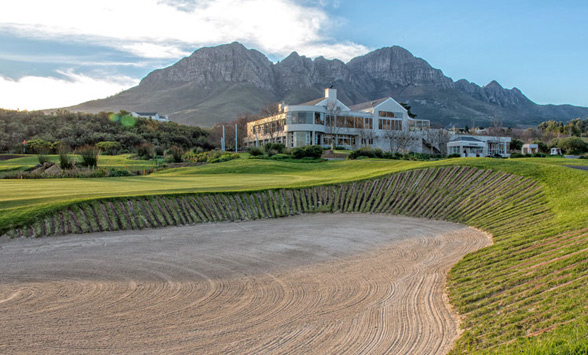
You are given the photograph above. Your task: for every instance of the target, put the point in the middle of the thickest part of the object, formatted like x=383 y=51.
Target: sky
x=63 y=52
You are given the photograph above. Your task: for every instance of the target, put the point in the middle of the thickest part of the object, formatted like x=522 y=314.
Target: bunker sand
x=322 y=283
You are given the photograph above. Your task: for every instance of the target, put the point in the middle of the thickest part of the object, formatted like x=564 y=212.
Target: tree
x=438 y=138
x=399 y=140
x=516 y=144
x=331 y=126
x=407 y=108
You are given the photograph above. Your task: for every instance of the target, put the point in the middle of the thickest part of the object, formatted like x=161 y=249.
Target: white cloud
x=164 y=29
x=35 y=93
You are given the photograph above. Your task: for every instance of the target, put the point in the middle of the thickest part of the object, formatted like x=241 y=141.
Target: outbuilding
x=530 y=148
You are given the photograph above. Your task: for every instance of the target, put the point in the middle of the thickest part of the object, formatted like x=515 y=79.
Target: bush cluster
x=89 y=156
x=367 y=152
x=307 y=151
x=255 y=151
x=145 y=151
x=66 y=161
x=109 y=147
x=176 y=154
x=214 y=156
x=272 y=149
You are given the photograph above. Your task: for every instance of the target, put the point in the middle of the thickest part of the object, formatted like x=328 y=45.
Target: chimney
x=331 y=95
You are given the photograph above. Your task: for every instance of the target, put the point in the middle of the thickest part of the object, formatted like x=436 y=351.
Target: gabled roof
x=368 y=104
x=466 y=139
x=146 y=113
x=312 y=103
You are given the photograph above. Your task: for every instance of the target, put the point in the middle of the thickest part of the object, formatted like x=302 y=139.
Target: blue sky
x=63 y=52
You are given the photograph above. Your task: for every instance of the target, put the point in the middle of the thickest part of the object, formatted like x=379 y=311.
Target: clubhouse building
x=326 y=121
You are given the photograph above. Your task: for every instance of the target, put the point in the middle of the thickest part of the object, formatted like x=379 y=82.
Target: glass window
x=318 y=119
x=350 y=122
x=302 y=117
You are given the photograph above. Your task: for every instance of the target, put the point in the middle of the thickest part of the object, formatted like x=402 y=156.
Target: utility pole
x=236 y=136
x=223 y=140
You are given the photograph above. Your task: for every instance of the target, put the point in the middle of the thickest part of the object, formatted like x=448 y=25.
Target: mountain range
x=215 y=84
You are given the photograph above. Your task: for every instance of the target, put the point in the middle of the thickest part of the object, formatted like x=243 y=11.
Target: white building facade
x=479 y=146
x=382 y=123
x=151 y=115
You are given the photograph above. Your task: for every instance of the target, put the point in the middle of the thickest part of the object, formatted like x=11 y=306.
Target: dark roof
x=368 y=104
x=146 y=113
x=313 y=102
x=466 y=139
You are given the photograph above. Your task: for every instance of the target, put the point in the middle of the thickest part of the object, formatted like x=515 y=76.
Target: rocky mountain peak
x=493 y=85
x=396 y=64
x=226 y=63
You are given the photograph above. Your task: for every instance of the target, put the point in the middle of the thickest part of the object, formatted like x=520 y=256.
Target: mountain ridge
x=215 y=84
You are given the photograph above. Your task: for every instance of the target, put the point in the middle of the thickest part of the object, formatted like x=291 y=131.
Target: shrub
x=119 y=172
x=37 y=146
x=365 y=152
x=159 y=151
x=210 y=157
x=517 y=155
x=275 y=148
x=307 y=151
x=43 y=157
x=455 y=155
x=255 y=151
x=176 y=154
x=89 y=156
x=109 y=147
x=145 y=151
x=66 y=161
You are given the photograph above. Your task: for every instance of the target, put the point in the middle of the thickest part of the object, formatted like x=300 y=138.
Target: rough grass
x=104 y=161
x=527 y=293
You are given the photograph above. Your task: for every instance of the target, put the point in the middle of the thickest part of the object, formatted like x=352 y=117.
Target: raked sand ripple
x=322 y=283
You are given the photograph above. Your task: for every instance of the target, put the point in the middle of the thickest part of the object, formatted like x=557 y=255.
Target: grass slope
x=524 y=294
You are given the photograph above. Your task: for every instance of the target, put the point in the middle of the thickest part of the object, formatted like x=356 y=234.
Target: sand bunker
x=324 y=283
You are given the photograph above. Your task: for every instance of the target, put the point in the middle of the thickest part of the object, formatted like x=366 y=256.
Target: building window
x=389 y=114
x=389 y=125
x=302 y=117
x=318 y=118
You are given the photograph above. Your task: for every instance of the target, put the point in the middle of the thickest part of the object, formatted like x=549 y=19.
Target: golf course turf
x=526 y=292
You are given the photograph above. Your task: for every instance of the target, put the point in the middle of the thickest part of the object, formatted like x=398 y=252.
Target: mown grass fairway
x=525 y=293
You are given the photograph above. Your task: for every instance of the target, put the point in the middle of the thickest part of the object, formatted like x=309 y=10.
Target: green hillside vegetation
x=79 y=129
x=524 y=294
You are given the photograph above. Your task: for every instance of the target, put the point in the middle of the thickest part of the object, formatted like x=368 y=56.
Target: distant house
x=556 y=151
x=530 y=148
x=151 y=115
x=478 y=146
